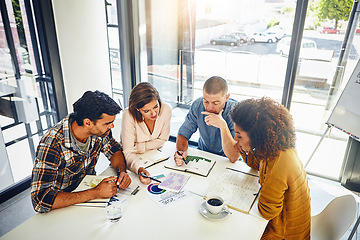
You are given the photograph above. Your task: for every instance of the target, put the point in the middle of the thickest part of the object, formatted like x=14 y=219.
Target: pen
x=135 y=191
x=154 y=179
x=182 y=157
x=118 y=175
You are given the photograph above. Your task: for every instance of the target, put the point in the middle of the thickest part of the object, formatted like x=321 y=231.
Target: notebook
x=152 y=157
x=197 y=165
x=91 y=181
x=238 y=189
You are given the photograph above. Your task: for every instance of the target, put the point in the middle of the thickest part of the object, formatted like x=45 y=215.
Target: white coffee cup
x=215 y=204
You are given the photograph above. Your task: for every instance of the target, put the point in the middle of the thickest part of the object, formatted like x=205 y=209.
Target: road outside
x=256 y=69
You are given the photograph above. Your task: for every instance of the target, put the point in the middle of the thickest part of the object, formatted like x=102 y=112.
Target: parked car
x=283 y=47
x=277 y=31
x=331 y=30
x=276 y=36
x=241 y=35
x=226 y=40
x=262 y=37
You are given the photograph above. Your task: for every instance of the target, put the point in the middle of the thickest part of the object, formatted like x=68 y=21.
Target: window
x=114 y=51
x=26 y=93
x=182 y=51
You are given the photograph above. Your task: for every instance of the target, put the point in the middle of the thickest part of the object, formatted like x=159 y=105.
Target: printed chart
x=163 y=197
x=153 y=188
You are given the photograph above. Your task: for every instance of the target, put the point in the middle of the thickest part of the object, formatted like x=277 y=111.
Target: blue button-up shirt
x=210 y=137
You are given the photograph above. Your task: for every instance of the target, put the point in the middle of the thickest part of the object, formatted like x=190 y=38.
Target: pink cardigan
x=136 y=138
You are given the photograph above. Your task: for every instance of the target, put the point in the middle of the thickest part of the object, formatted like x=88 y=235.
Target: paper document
x=239 y=190
x=152 y=157
x=174 y=182
x=161 y=196
x=198 y=165
x=91 y=181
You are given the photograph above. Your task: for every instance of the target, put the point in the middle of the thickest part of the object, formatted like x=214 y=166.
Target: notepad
x=238 y=189
x=197 y=165
x=91 y=181
x=152 y=157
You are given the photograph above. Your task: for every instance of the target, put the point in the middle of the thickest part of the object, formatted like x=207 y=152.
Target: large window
x=27 y=105
x=251 y=44
x=114 y=51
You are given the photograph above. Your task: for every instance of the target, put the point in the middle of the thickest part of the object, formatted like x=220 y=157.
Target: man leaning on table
x=209 y=114
x=70 y=150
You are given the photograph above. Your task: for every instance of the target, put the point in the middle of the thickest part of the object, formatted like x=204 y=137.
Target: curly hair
x=142 y=94
x=92 y=105
x=268 y=124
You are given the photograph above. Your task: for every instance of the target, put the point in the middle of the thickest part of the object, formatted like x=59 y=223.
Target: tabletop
x=144 y=219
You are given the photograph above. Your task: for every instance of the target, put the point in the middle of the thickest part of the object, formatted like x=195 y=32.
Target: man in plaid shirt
x=70 y=150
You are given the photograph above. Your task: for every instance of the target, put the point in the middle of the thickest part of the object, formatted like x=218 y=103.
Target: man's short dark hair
x=92 y=105
x=215 y=85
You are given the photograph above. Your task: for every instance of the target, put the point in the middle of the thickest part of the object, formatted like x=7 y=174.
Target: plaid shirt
x=60 y=165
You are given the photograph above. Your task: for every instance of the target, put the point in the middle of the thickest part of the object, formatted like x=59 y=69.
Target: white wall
x=82 y=38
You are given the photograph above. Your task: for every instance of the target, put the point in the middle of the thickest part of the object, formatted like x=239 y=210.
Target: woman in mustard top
x=265 y=137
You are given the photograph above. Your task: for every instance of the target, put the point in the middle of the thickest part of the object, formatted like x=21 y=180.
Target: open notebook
x=239 y=189
x=152 y=157
x=198 y=165
x=91 y=181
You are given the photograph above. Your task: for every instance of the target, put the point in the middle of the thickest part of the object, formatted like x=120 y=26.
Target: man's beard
x=105 y=133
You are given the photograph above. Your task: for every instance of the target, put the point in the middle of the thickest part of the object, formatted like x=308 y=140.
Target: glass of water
x=114 y=211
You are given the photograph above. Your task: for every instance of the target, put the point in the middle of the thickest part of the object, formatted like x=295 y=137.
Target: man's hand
x=213 y=119
x=179 y=159
x=123 y=180
x=144 y=180
x=106 y=188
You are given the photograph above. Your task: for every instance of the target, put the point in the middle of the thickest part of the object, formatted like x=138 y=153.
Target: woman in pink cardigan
x=145 y=126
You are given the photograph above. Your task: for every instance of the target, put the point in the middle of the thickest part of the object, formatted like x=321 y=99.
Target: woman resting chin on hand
x=265 y=137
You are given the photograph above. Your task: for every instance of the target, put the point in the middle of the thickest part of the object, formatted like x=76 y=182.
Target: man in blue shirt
x=209 y=114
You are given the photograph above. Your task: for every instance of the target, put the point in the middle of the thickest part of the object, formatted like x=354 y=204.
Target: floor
x=18 y=209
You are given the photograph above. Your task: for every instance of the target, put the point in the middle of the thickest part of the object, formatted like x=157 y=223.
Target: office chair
x=333 y=222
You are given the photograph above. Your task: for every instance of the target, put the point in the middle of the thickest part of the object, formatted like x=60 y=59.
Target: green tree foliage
x=273 y=22
x=19 y=23
x=333 y=10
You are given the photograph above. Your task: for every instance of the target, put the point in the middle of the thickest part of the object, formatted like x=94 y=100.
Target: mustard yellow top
x=284 y=197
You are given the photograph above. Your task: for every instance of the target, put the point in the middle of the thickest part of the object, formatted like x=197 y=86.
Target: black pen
x=154 y=179
x=118 y=175
x=182 y=157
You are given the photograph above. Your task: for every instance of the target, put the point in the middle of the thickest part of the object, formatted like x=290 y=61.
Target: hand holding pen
x=180 y=157
x=123 y=180
x=143 y=176
x=154 y=179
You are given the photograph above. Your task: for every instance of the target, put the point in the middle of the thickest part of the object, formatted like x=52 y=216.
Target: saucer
x=206 y=214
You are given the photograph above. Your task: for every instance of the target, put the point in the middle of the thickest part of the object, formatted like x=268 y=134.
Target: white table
x=144 y=219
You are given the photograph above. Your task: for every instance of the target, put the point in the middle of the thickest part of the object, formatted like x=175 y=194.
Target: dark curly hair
x=92 y=105
x=268 y=124
x=142 y=94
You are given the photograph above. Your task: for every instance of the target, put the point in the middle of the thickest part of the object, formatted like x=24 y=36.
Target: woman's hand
x=239 y=149
x=144 y=180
